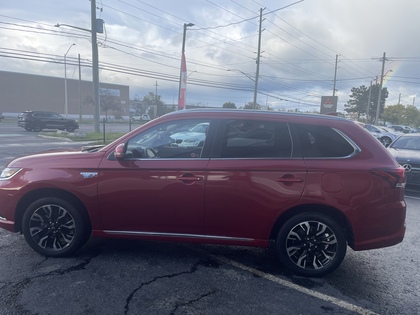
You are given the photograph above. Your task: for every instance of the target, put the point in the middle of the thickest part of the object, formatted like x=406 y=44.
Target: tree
x=402 y=115
x=229 y=105
x=358 y=102
x=111 y=102
x=138 y=107
x=152 y=99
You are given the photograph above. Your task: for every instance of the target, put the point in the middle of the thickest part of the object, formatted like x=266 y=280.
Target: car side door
x=252 y=177
x=157 y=189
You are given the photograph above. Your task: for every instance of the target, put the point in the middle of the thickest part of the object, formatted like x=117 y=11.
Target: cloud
x=299 y=45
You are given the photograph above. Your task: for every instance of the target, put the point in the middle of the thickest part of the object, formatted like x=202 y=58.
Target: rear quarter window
x=323 y=142
x=256 y=139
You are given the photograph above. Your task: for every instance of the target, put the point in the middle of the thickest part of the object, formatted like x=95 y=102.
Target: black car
x=39 y=120
x=406 y=150
x=401 y=128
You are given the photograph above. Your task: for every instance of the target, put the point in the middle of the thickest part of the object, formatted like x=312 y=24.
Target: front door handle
x=289 y=179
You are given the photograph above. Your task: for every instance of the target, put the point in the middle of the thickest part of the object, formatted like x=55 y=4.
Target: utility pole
x=380 y=89
x=95 y=68
x=335 y=73
x=258 y=62
x=80 y=90
x=368 y=104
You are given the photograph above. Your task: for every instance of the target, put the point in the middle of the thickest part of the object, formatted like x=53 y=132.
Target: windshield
x=407 y=143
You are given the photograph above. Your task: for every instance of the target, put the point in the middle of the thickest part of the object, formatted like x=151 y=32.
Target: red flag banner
x=181 y=101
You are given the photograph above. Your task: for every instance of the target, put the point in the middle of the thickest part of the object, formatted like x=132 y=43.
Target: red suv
x=313 y=184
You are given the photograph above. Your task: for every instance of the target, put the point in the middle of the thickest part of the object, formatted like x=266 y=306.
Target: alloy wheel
x=311 y=245
x=52 y=227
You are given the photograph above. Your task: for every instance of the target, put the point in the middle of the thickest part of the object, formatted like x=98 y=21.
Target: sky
x=304 y=45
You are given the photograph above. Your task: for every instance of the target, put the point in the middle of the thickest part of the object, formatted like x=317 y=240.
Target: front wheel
x=311 y=244
x=53 y=227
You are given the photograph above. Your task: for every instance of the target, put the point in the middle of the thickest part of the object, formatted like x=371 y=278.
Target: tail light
x=395 y=176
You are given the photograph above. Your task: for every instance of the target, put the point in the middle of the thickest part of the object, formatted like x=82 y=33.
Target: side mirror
x=119 y=151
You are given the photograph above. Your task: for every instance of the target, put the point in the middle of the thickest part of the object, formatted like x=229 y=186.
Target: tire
x=71 y=128
x=37 y=128
x=386 y=141
x=311 y=244
x=53 y=227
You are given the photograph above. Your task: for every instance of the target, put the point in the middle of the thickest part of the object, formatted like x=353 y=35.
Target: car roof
x=247 y=113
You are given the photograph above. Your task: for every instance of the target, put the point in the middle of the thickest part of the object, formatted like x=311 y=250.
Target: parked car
x=310 y=184
x=143 y=117
x=406 y=150
x=39 y=120
x=194 y=137
x=385 y=136
x=401 y=128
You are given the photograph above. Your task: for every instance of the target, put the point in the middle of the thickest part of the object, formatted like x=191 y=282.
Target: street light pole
x=182 y=53
x=65 y=80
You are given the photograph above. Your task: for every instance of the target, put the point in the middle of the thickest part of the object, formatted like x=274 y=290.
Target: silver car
x=194 y=137
x=384 y=135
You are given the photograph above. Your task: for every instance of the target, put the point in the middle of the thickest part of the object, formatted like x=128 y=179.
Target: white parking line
x=412 y=197
x=285 y=283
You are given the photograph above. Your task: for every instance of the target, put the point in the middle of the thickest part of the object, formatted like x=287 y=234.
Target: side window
x=256 y=139
x=174 y=140
x=323 y=142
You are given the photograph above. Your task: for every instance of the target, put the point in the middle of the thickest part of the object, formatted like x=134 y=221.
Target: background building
x=20 y=92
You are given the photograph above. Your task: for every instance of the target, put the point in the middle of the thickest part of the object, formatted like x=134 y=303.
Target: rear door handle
x=190 y=178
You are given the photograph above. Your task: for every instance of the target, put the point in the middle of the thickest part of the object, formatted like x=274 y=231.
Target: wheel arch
x=331 y=212
x=31 y=196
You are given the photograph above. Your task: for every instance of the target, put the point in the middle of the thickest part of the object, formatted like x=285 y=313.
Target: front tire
x=53 y=227
x=311 y=244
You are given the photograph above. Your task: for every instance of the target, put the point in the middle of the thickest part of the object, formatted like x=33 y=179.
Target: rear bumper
x=386 y=241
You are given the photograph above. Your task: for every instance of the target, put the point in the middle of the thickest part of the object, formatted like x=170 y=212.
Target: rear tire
x=386 y=141
x=311 y=244
x=37 y=128
x=53 y=227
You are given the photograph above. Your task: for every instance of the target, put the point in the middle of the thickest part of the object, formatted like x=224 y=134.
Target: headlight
x=9 y=172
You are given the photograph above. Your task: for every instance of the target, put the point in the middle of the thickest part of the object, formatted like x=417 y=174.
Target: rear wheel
x=386 y=141
x=311 y=244
x=37 y=128
x=53 y=227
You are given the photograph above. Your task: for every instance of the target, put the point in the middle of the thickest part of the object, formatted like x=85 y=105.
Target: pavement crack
x=191 y=301
x=77 y=267
x=13 y=291
x=203 y=262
